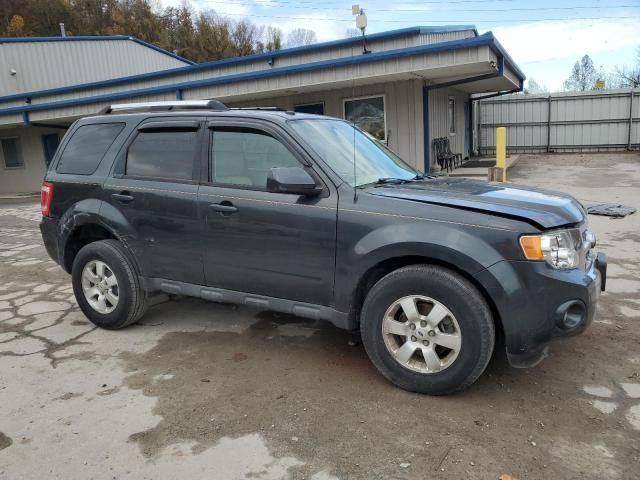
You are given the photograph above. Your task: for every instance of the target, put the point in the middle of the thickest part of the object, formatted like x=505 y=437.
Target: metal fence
x=561 y=122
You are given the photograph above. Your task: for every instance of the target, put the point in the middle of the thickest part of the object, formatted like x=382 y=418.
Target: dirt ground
x=200 y=390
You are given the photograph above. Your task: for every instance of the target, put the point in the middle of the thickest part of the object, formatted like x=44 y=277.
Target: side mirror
x=293 y=180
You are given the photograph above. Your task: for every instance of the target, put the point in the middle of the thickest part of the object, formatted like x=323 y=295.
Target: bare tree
x=245 y=37
x=534 y=87
x=273 y=39
x=300 y=36
x=629 y=76
x=583 y=75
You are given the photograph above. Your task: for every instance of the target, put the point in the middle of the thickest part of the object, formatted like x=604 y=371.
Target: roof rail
x=164 y=106
x=272 y=109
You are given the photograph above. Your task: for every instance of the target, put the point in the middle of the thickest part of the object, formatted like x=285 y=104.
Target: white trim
x=384 y=109
x=451 y=97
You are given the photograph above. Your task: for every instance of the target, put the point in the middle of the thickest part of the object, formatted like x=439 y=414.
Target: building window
x=314 y=108
x=452 y=115
x=368 y=113
x=11 y=153
x=163 y=155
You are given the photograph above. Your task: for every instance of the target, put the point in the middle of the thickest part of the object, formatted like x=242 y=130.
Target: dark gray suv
x=308 y=215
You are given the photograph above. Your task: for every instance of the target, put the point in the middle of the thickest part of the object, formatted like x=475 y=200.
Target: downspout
x=426 y=130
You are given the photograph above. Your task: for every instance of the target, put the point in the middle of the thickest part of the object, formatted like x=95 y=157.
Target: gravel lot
x=200 y=390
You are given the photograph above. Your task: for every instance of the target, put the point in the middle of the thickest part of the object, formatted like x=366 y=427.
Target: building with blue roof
x=407 y=88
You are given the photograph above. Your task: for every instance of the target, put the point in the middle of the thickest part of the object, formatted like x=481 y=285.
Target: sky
x=544 y=37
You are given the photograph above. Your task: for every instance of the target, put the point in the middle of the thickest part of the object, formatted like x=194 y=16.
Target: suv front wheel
x=427 y=329
x=106 y=285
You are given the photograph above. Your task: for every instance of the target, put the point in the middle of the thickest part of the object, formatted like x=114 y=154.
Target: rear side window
x=87 y=147
x=163 y=154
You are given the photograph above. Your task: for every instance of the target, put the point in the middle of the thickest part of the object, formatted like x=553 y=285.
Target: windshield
x=333 y=141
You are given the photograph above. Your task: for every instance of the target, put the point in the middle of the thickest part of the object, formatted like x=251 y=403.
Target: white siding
x=439 y=119
x=28 y=178
x=45 y=65
x=403 y=105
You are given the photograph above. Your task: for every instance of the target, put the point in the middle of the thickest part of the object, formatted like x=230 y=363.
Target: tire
x=131 y=298
x=466 y=326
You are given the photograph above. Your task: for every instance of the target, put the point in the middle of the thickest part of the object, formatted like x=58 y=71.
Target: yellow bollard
x=501 y=151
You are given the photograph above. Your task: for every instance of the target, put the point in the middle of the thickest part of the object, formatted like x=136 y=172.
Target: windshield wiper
x=394 y=181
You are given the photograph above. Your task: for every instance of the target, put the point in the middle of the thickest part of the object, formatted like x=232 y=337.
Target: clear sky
x=544 y=37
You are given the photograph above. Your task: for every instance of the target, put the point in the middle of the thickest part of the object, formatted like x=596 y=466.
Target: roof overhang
x=474 y=65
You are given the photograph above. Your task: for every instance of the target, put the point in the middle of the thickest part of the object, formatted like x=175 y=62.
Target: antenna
x=361 y=23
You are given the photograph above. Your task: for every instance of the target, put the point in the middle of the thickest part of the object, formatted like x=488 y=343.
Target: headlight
x=559 y=249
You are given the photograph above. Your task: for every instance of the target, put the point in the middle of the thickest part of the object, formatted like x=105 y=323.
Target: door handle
x=224 y=207
x=124 y=197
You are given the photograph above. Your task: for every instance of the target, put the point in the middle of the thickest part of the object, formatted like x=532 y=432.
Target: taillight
x=46 y=197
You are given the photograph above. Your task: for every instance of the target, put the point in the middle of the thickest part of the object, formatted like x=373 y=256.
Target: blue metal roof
x=93 y=38
x=403 y=32
x=486 y=39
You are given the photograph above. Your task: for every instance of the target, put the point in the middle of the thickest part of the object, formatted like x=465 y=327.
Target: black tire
x=463 y=300
x=132 y=301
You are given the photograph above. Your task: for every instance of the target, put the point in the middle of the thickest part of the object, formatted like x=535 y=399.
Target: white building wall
x=439 y=119
x=45 y=65
x=26 y=178
x=403 y=106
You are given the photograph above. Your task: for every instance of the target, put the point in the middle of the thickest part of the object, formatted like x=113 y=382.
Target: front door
x=272 y=244
x=154 y=187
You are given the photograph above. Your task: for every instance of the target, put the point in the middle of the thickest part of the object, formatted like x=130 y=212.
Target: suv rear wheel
x=427 y=329
x=106 y=285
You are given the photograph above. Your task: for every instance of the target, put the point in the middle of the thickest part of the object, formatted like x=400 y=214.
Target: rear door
x=153 y=185
x=273 y=244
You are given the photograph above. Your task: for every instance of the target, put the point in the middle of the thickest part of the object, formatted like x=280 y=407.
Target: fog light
x=570 y=315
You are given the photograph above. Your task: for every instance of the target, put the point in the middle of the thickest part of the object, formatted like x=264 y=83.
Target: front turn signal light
x=532 y=247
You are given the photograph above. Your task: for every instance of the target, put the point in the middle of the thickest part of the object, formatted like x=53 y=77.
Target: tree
x=213 y=38
x=300 y=36
x=245 y=37
x=15 y=27
x=273 y=40
x=583 y=75
x=629 y=76
x=534 y=87
x=200 y=37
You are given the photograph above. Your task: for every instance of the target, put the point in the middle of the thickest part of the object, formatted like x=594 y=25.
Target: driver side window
x=244 y=156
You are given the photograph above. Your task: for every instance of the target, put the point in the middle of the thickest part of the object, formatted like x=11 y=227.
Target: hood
x=546 y=209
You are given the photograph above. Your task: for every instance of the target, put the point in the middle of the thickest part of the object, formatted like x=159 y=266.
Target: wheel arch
x=382 y=268
x=81 y=226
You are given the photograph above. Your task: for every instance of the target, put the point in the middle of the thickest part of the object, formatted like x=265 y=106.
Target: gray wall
x=44 y=65
x=439 y=119
x=26 y=178
x=403 y=105
x=563 y=122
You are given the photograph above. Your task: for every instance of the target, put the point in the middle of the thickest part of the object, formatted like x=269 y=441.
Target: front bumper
x=537 y=303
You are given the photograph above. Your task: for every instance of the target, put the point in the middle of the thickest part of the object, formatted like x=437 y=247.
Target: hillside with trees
x=198 y=36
